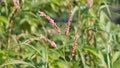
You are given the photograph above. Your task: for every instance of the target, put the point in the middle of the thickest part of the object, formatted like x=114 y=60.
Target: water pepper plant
x=58 y=34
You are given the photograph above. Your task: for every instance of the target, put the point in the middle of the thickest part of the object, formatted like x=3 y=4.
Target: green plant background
x=98 y=44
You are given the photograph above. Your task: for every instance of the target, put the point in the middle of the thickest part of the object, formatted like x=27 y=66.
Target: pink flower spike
x=50 y=20
x=75 y=38
x=16 y=4
x=52 y=43
x=69 y=20
x=90 y=3
x=74 y=45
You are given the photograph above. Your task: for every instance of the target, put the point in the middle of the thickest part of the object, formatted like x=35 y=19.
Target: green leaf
x=116 y=64
x=92 y=50
x=56 y=2
x=4 y=19
x=2 y=56
x=16 y=62
x=32 y=48
x=115 y=56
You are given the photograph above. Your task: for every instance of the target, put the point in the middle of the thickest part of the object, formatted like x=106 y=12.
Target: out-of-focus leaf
x=2 y=56
x=56 y=2
x=102 y=18
x=116 y=56
x=93 y=50
x=15 y=62
x=4 y=19
x=103 y=59
x=116 y=64
x=32 y=47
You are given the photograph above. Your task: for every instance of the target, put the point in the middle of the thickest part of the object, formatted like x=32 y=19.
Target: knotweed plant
x=73 y=36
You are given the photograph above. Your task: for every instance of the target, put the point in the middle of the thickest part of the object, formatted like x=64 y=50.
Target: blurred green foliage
x=98 y=45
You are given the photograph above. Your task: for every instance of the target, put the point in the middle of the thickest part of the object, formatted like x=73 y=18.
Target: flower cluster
x=90 y=3
x=16 y=4
x=74 y=45
x=58 y=30
x=52 y=43
x=69 y=20
x=50 y=20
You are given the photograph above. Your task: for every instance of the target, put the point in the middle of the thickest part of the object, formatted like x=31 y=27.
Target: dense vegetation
x=81 y=35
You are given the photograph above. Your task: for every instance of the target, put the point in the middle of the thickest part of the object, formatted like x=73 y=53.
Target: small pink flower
x=16 y=4
x=90 y=3
x=50 y=31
